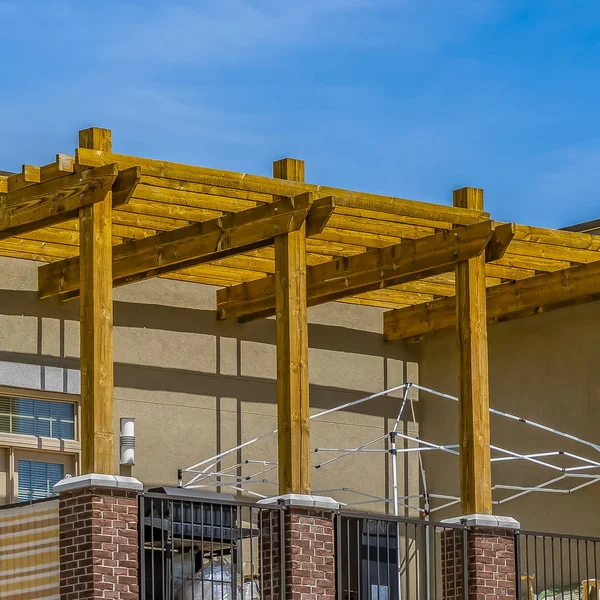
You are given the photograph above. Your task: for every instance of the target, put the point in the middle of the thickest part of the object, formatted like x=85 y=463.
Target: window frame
x=52 y=449
x=32 y=461
x=28 y=394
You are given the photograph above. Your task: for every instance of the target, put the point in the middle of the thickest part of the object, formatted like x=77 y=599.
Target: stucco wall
x=197 y=386
x=544 y=368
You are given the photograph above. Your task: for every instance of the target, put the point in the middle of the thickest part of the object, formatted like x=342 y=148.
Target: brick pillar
x=270 y=554
x=309 y=549
x=490 y=559
x=98 y=537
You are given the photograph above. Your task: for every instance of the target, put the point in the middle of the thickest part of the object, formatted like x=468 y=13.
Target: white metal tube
x=394 y=472
x=381 y=437
x=515 y=418
x=537 y=487
x=525 y=457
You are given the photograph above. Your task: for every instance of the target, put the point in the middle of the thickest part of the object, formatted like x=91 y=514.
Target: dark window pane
x=41 y=408
x=36 y=479
x=4 y=423
x=42 y=418
x=23 y=425
x=23 y=406
x=63 y=431
x=42 y=428
x=56 y=472
x=24 y=472
x=5 y=405
x=62 y=411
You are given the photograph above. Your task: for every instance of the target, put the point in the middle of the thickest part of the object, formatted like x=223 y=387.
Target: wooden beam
x=188 y=246
x=29 y=175
x=279 y=187
x=96 y=139
x=517 y=299
x=55 y=201
x=473 y=403
x=125 y=185
x=63 y=165
x=293 y=410
x=386 y=267
x=96 y=325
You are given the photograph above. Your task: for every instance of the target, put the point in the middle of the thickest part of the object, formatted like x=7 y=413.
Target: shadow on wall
x=197 y=386
x=542 y=368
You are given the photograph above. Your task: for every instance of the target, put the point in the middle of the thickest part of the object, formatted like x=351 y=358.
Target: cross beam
x=59 y=199
x=195 y=244
x=384 y=267
x=507 y=301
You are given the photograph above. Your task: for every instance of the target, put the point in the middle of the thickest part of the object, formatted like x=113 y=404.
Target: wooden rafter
x=194 y=244
x=512 y=300
x=280 y=187
x=37 y=206
x=373 y=270
x=172 y=196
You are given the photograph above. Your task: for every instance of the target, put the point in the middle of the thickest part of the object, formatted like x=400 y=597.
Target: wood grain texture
x=171 y=196
x=508 y=301
x=292 y=350
x=373 y=270
x=55 y=201
x=280 y=187
x=29 y=175
x=473 y=378
x=96 y=325
x=186 y=247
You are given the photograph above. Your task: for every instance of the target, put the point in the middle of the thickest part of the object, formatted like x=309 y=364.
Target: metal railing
x=556 y=566
x=380 y=557
x=197 y=549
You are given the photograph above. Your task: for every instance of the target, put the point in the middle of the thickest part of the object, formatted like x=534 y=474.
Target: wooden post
x=474 y=416
x=96 y=323
x=292 y=349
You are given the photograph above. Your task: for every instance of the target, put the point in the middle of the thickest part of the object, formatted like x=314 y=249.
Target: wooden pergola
x=276 y=246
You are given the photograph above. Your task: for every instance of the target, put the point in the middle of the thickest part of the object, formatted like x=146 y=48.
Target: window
x=43 y=418
x=36 y=479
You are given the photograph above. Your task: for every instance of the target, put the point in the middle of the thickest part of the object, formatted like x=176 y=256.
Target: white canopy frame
x=207 y=474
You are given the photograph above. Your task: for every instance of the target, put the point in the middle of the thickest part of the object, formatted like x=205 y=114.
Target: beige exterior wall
x=197 y=386
x=544 y=368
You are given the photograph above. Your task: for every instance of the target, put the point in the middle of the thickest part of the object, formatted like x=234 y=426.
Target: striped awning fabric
x=29 y=567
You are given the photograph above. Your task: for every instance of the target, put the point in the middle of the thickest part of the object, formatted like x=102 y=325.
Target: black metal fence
x=209 y=549
x=387 y=558
x=557 y=566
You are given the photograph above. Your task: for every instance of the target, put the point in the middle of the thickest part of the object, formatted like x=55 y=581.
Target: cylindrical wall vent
x=127 y=441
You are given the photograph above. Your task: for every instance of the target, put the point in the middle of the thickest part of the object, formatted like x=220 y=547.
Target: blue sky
x=410 y=98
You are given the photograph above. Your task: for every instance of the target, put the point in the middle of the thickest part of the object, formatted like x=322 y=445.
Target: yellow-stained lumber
x=280 y=187
x=372 y=270
x=542 y=293
x=63 y=165
x=54 y=201
x=191 y=245
x=293 y=410
x=473 y=384
x=29 y=175
x=96 y=324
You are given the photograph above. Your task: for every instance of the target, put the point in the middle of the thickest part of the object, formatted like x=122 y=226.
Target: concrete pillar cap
x=302 y=500
x=494 y=521
x=98 y=481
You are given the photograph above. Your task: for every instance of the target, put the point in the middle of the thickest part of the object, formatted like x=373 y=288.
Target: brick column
x=490 y=559
x=98 y=537
x=309 y=549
